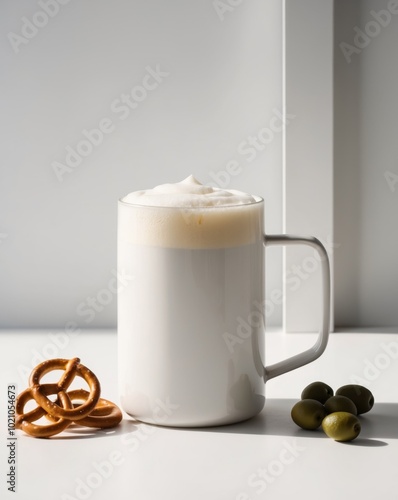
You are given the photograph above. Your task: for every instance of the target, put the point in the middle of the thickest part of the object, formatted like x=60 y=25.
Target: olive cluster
x=336 y=413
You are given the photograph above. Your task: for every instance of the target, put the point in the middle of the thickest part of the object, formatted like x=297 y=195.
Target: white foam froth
x=190 y=215
x=188 y=193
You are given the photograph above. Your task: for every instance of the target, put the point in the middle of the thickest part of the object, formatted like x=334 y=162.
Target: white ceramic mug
x=191 y=315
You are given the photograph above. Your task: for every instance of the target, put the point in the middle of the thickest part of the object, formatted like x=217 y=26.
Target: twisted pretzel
x=25 y=421
x=105 y=414
x=92 y=411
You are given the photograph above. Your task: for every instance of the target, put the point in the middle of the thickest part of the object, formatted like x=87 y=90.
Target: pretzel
x=24 y=420
x=105 y=414
x=72 y=368
x=92 y=411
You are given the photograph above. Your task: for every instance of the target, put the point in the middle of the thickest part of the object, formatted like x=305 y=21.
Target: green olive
x=340 y=403
x=361 y=396
x=308 y=414
x=341 y=426
x=317 y=390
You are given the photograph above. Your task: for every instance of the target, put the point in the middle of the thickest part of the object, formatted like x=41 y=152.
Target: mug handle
x=317 y=349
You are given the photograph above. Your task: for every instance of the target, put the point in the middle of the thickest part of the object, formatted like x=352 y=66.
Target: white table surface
x=267 y=457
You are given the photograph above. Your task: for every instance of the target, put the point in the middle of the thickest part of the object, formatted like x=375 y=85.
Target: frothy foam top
x=190 y=215
x=188 y=193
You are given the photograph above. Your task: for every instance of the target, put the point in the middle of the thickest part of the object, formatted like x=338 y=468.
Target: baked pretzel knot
x=77 y=406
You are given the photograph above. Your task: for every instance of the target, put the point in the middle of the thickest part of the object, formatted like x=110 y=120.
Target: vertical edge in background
x=307 y=155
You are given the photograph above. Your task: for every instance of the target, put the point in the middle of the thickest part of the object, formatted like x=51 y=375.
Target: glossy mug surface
x=191 y=315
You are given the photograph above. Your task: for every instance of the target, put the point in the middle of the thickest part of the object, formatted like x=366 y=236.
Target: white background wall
x=58 y=238
x=366 y=164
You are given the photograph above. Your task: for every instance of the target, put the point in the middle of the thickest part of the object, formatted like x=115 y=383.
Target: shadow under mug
x=191 y=334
